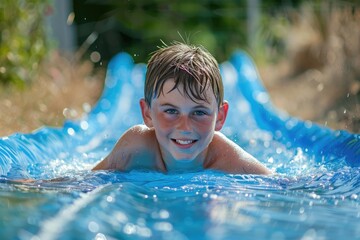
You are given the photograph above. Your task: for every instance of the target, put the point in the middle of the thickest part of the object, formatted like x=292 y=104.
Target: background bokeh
x=53 y=68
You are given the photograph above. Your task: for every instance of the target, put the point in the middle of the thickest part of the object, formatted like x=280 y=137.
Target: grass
x=64 y=90
x=319 y=77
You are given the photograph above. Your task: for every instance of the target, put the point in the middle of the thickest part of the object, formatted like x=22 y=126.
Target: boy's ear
x=145 y=111
x=223 y=110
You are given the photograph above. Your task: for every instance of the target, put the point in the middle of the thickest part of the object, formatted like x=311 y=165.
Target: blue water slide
x=118 y=109
x=319 y=141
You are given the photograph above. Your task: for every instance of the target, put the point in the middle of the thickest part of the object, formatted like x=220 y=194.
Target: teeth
x=184 y=142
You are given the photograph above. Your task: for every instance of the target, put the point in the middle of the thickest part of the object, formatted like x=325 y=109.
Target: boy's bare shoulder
x=137 y=148
x=140 y=133
x=135 y=138
x=227 y=156
x=139 y=139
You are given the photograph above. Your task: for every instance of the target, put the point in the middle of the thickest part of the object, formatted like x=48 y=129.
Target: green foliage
x=218 y=25
x=138 y=27
x=22 y=40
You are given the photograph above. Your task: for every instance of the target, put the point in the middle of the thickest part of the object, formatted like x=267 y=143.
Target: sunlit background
x=54 y=54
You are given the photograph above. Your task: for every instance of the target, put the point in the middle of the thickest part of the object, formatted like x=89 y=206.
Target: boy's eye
x=199 y=113
x=171 y=111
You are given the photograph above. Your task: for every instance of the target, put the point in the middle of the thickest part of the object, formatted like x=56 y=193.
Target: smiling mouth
x=184 y=142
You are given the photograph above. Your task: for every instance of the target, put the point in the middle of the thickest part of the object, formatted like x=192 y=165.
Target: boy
x=183 y=110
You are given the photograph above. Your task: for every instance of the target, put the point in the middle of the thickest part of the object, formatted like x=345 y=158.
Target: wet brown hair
x=191 y=67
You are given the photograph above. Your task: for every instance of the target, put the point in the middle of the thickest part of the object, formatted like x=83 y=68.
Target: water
x=313 y=195
x=205 y=205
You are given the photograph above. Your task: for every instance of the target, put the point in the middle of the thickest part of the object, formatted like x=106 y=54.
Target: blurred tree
x=139 y=26
x=22 y=39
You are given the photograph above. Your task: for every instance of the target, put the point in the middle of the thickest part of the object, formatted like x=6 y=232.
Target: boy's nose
x=184 y=124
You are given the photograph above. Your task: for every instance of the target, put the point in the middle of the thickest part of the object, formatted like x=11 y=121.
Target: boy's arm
x=231 y=158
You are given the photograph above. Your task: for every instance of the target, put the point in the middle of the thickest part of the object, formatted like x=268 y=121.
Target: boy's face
x=184 y=128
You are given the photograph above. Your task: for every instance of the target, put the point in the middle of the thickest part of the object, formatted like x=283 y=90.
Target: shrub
x=23 y=42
